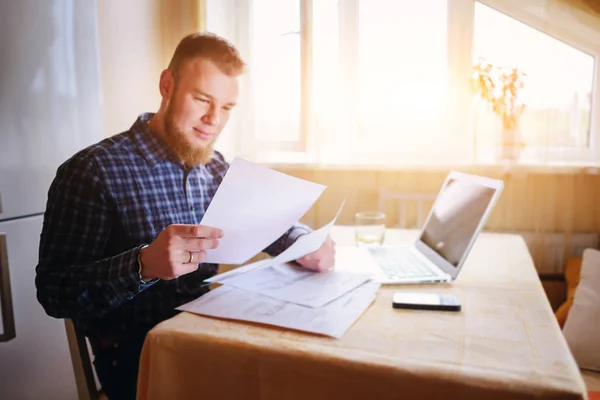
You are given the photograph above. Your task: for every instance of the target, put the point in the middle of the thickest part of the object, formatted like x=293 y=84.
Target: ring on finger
x=191 y=259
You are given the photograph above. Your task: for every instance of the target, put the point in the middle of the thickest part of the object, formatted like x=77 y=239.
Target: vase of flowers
x=500 y=89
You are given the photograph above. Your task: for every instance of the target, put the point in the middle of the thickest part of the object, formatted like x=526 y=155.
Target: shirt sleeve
x=287 y=239
x=73 y=280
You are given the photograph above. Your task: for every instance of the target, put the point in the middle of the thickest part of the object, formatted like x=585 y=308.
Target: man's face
x=198 y=109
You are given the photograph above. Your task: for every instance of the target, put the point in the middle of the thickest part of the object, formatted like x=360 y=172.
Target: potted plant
x=500 y=88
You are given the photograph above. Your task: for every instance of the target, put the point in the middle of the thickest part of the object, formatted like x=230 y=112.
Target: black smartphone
x=426 y=301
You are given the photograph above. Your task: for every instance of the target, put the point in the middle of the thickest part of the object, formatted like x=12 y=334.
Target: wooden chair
x=423 y=204
x=87 y=385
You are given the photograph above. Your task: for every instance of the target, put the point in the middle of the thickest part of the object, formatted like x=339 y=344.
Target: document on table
x=304 y=245
x=334 y=319
x=254 y=206
x=298 y=285
x=222 y=278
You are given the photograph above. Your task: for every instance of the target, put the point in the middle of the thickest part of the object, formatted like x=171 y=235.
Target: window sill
x=303 y=161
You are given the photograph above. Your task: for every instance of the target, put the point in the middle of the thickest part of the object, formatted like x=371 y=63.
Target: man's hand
x=178 y=250
x=322 y=259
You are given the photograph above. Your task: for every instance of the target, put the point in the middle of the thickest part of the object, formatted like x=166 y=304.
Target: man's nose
x=211 y=117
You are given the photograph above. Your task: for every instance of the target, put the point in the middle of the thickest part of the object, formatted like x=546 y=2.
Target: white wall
x=130 y=60
x=137 y=39
x=221 y=20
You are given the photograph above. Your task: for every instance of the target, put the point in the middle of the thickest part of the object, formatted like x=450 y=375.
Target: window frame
x=564 y=31
x=460 y=25
x=458 y=46
x=250 y=140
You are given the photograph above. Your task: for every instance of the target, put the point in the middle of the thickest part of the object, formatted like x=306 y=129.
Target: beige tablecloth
x=504 y=344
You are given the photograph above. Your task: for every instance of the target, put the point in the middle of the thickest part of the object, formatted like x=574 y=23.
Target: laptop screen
x=459 y=208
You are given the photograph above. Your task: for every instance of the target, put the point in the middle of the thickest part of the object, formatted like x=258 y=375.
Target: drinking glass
x=369 y=228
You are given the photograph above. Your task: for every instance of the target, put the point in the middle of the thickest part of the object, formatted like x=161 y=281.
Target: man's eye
x=200 y=99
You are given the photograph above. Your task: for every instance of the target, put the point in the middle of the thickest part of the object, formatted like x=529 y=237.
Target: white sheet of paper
x=254 y=206
x=221 y=278
x=304 y=245
x=297 y=284
x=333 y=320
x=308 y=243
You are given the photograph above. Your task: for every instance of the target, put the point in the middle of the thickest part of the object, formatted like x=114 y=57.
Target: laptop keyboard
x=400 y=263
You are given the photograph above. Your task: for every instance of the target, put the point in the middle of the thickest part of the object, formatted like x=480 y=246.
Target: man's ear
x=167 y=83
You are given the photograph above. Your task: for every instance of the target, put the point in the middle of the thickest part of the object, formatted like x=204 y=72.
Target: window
x=275 y=68
x=380 y=94
x=558 y=85
x=386 y=81
x=402 y=82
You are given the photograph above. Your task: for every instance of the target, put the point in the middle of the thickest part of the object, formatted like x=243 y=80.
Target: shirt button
x=192 y=208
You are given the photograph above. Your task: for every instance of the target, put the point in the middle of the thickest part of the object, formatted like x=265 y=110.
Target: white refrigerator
x=49 y=109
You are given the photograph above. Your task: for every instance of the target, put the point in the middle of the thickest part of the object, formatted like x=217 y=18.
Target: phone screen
x=426 y=301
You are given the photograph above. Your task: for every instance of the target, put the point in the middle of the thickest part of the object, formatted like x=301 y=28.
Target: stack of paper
x=291 y=297
x=275 y=291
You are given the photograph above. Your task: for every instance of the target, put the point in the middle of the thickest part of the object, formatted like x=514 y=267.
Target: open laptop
x=458 y=215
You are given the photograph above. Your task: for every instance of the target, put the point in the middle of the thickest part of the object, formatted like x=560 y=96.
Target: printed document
x=298 y=285
x=222 y=278
x=334 y=319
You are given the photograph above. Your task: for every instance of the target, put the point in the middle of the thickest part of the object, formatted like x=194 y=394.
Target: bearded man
x=121 y=245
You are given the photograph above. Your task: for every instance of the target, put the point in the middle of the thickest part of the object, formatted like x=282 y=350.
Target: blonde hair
x=211 y=47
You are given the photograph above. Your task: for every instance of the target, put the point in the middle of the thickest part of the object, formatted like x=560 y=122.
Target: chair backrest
x=423 y=203
x=87 y=386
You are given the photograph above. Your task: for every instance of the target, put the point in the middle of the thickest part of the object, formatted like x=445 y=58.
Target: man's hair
x=211 y=47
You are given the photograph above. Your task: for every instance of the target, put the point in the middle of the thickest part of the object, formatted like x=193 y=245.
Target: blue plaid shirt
x=105 y=202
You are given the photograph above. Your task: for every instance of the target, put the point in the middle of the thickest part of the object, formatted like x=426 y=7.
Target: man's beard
x=191 y=155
